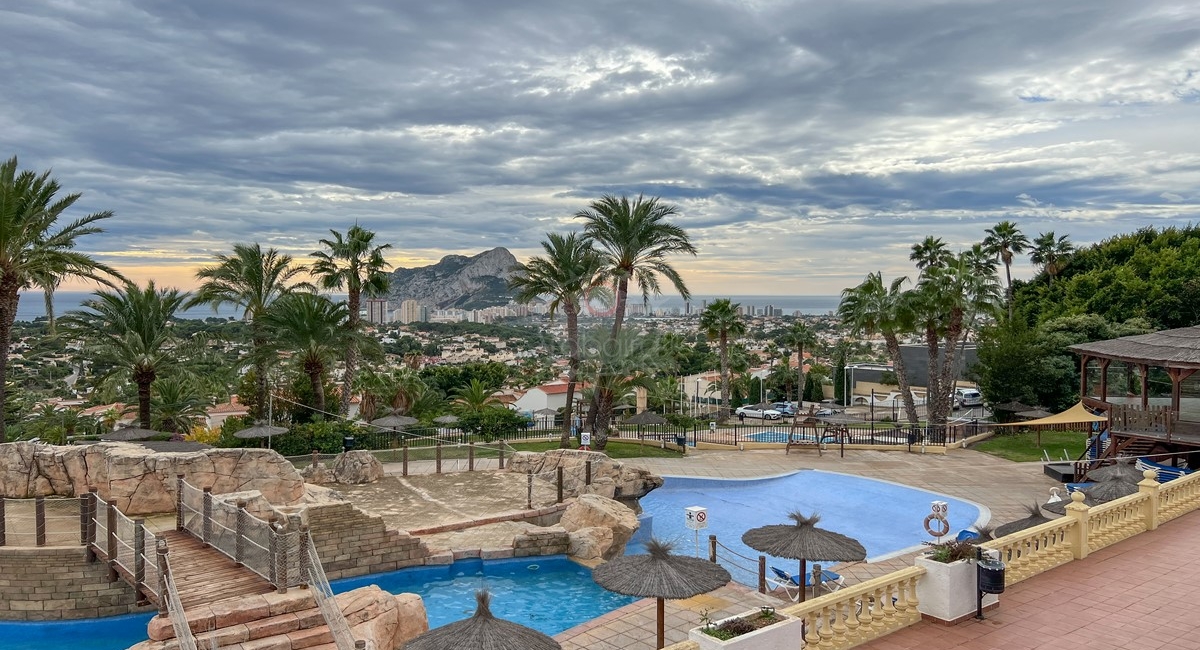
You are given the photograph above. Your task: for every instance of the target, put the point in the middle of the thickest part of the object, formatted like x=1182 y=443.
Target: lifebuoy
x=943 y=525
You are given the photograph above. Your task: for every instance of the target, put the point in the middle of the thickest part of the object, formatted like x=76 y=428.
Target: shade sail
x=1075 y=415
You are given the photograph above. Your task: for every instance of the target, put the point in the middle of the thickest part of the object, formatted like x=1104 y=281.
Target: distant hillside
x=457 y=281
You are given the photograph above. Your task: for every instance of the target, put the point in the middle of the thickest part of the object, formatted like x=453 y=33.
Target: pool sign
x=697 y=518
x=585 y=439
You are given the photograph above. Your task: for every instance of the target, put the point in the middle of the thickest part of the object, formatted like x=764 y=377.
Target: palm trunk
x=261 y=387
x=946 y=372
x=893 y=349
x=48 y=296
x=933 y=389
x=353 y=302
x=9 y=297
x=143 y=391
x=603 y=417
x=314 y=380
x=724 y=341
x=602 y=402
x=1008 y=294
x=800 y=378
x=572 y=370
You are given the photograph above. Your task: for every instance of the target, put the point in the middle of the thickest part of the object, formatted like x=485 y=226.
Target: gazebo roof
x=1177 y=348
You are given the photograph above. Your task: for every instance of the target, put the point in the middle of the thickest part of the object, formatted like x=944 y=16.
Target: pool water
x=550 y=594
x=887 y=518
x=782 y=436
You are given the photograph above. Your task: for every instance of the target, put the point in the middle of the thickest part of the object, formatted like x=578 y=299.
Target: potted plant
x=761 y=629
x=947 y=591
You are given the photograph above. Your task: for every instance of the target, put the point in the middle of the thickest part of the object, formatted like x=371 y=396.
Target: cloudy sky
x=805 y=143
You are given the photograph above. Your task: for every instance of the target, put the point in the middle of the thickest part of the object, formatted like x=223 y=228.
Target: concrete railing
x=1031 y=551
x=859 y=613
x=1178 y=497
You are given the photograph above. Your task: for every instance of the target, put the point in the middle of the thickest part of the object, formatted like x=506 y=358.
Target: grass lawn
x=1023 y=446
x=615 y=449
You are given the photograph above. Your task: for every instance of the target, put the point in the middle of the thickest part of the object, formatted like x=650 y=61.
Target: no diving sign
x=697 y=518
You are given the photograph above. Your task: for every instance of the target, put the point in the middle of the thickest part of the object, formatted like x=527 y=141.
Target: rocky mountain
x=457 y=281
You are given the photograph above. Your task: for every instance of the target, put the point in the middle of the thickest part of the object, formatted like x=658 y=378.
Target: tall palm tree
x=873 y=308
x=1050 y=253
x=34 y=245
x=798 y=337
x=352 y=262
x=634 y=239
x=313 y=329
x=1004 y=240
x=252 y=279
x=177 y=404
x=615 y=367
x=129 y=330
x=720 y=321
x=568 y=272
x=475 y=397
x=932 y=252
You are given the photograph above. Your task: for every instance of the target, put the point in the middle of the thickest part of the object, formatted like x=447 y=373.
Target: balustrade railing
x=859 y=613
x=1031 y=551
x=1111 y=522
x=1178 y=497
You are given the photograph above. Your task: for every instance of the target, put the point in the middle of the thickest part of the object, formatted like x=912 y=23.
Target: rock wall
x=551 y=540
x=594 y=511
x=138 y=480
x=352 y=543
x=610 y=478
x=41 y=584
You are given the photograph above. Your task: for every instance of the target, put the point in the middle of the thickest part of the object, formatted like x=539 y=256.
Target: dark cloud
x=825 y=137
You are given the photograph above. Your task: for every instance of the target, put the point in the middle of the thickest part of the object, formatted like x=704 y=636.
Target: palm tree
x=930 y=253
x=177 y=405
x=252 y=279
x=129 y=330
x=313 y=329
x=614 y=367
x=634 y=240
x=475 y=397
x=872 y=308
x=721 y=321
x=1050 y=253
x=1004 y=240
x=798 y=337
x=568 y=272
x=354 y=263
x=33 y=246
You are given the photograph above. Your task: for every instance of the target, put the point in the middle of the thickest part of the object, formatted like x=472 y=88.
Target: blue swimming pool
x=887 y=518
x=780 y=436
x=549 y=594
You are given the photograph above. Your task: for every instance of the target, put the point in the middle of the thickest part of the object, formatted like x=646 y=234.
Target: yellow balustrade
x=1178 y=497
x=1029 y=552
x=1111 y=522
x=854 y=615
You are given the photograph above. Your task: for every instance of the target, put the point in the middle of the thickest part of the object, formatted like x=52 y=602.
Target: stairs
x=271 y=621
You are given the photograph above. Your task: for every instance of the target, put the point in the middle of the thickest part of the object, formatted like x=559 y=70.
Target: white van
x=968 y=397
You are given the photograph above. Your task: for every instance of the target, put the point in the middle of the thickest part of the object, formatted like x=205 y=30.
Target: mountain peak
x=472 y=282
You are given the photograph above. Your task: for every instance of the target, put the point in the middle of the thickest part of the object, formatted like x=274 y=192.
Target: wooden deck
x=204 y=576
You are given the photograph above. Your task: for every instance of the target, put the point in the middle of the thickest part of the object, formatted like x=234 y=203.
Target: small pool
x=887 y=518
x=782 y=437
x=549 y=594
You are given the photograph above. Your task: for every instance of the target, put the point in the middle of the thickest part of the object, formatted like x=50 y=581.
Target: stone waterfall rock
x=357 y=467
x=139 y=481
x=385 y=621
x=610 y=478
x=595 y=511
x=590 y=543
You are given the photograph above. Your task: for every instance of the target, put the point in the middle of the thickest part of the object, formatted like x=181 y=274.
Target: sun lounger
x=790 y=584
x=1165 y=472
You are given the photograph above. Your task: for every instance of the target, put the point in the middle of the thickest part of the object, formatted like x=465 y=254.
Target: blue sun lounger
x=790 y=584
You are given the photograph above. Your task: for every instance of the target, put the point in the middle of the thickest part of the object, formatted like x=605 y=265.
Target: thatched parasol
x=1012 y=407
x=1059 y=506
x=646 y=418
x=1035 y=518
x=260 y=430
x=394 y=421
x=1113 y=488
x=1123 y=469
x=483 y=631
x=131 y=434
x=446 y=419
x=804 y=541
x=660 y=575
x=546 y=412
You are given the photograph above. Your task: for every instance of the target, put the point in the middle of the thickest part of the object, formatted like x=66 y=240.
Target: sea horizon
x=32 y=306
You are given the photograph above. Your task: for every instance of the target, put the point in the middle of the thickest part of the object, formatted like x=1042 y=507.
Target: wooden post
x=560 y=483
x=1144 y=370
x=139 y=560
x=160 y=549
x=438 y=458
x=39 y=520
x=179 y=502
x=587 y=473
x=92 y=497
x=471 y=457
x=661 y=636
x=1104 y=379
x=762 y=574
x=206 y=531
x=282 y=571
x=305 y=561
x=272 y=551
x=712 y=548
x=1083 y=375
x=404 y=459
x=500 y=448
x=529 y=490
x=111 y=547
x=240 y=525
x=83 y=520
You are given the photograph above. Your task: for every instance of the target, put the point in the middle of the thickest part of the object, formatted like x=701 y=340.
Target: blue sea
x=33 y=306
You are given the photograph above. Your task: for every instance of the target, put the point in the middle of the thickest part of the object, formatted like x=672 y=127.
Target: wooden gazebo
x=1145 y=416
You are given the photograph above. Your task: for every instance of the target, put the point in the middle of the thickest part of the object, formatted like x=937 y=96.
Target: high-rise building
x=687 y=308
x=377 y=310
x=411 y=312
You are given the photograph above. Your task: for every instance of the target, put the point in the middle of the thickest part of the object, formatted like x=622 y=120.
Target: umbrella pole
x=661 y=637
x=803 y=588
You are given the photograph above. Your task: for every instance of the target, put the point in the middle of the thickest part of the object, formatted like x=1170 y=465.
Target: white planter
x=947 y=591
x=783 y=635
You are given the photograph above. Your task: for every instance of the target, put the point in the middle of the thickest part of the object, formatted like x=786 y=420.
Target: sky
x=805 y=144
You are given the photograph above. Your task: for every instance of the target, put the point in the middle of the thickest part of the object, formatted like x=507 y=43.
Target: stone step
x=295 y=634
x=236 y=611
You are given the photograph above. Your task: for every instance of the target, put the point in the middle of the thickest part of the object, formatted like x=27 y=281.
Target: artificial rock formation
x=138 y=480
x=595 y=511
x=610 y=478
x=590 y=543
x=349 y=468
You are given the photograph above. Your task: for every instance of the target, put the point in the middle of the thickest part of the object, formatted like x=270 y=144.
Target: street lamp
x=697 y=395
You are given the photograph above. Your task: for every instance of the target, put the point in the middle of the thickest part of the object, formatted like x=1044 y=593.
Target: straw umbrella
x=483 y=631
x=394 y=421
x=646 y=418
x=1123 y=469
x=1113 y=488
x=260 y=430
x=1035 y=518
x=1012 y=407
x=446 y=419
x=131 y=434
x=660 y=575
x=803 y=541
x=1058 y=505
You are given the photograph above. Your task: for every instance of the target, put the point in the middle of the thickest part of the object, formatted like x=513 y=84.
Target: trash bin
x=347 y=443
x=991 y=576
x=681 y=441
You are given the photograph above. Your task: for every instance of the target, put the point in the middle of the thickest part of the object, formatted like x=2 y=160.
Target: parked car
x=785 y=408
x=754 y=412
x=968 y=397
x=826 y=412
